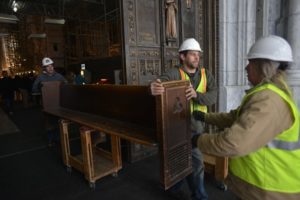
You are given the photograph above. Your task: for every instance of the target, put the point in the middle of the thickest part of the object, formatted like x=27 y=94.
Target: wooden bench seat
x=127 y=112
x=124 y=130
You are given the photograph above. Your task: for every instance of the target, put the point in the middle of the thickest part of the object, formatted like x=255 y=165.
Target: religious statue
x=171 y=10
x=188 y=4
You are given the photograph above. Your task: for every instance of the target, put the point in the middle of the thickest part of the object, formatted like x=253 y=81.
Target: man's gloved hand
x=194 y=141
x=198 y=115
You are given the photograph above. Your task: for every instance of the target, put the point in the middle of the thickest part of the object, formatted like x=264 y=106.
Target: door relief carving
x=131 y=22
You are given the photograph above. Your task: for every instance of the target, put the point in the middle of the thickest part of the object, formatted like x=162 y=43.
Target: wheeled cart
x=94 y=162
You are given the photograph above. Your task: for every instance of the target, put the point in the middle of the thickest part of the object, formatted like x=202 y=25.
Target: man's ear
x=182 y=56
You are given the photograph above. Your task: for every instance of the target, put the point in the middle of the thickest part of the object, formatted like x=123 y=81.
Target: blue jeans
x=196 y=179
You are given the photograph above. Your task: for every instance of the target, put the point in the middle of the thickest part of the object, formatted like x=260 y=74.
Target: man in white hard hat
x=202 y=92
x=48 y=74
x=262 y=135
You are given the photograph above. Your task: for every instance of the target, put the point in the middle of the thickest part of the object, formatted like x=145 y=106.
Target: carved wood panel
x=173 y=121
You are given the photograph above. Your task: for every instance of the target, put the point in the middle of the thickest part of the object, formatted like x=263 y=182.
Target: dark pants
x=52 y=128
x=53 y=135
x=8 y=103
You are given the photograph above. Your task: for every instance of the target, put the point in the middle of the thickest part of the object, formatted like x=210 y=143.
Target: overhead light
x=54 y=21
x=4 y=34
x=37 y=35
x=15 y=6
x=8 y=18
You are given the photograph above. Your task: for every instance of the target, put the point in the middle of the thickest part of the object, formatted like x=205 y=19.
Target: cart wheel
x=222 y=186
x=69 y=169
x=92 y=185
x=115 y=174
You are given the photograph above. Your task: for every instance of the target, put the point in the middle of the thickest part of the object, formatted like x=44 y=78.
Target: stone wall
x=241 y=23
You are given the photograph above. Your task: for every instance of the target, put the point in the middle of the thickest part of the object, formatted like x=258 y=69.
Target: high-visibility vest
x=276 y=166
x=200 y=88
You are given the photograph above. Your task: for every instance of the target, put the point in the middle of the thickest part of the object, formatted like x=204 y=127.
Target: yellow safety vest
x=201 y=88
x=276 y=166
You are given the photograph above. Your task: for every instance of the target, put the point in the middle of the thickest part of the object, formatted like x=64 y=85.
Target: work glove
x=194 y=140
x=198 y=115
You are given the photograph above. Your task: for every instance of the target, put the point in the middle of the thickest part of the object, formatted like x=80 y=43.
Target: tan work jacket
x=263 y=117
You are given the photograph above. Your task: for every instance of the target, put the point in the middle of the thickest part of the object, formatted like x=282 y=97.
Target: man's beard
x=193 y=65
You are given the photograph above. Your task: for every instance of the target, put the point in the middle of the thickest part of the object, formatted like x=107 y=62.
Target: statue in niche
x=188 y=4
x=171 y=10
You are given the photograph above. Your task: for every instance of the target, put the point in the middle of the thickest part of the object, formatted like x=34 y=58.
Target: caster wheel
x=69 y=169
x=92 y=185
x=115 y=174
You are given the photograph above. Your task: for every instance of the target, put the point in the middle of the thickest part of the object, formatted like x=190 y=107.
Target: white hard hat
x=47 y=61
x=190 y=44
x=271 y=47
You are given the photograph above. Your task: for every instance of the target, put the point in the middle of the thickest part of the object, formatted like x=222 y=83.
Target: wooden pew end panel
x=173 y=114
x=51 y=94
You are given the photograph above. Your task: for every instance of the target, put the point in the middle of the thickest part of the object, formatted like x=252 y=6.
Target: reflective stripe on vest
x=200 y=88
x=274 y=167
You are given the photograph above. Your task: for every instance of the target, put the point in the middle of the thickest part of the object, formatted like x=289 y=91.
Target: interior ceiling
x=69 y=9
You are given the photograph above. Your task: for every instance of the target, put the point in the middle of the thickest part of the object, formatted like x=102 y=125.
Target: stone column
x=292 y=33
x=262 y=18
x=237 y=34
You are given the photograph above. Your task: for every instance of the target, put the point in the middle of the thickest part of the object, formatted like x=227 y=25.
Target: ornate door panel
x=141 y=40
x=188 y=15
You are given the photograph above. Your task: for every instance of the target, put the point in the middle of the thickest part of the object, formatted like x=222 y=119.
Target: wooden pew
x=127 y=112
